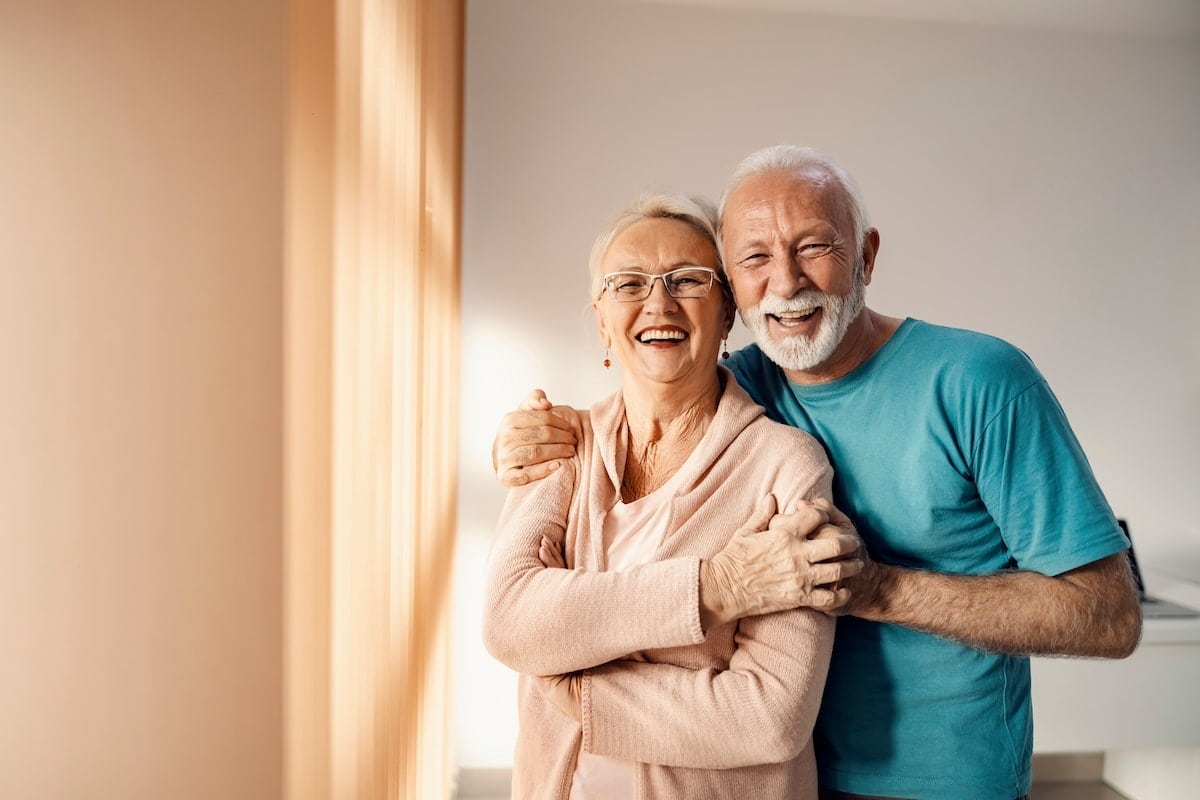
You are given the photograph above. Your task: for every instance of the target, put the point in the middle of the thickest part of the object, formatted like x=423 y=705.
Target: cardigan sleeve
x=760 y=710
x=532 y=613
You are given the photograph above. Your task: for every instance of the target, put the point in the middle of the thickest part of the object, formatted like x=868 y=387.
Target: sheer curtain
x=374 y=163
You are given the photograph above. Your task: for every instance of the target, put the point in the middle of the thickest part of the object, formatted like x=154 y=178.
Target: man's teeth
x=658 y=336
x=795 y=314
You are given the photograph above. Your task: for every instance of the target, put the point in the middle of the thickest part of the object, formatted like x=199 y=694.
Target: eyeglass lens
x=686 y=282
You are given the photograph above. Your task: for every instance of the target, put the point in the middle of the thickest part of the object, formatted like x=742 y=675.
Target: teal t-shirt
x=950 y=454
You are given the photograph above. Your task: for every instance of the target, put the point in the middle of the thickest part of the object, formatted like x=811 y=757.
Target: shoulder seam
x=1003 y=407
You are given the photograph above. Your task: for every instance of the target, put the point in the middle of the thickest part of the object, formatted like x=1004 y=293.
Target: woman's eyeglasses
x=631 y=286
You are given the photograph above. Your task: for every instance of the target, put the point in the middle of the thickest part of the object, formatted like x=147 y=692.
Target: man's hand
x=534 y=440
x=563 y=692
x=866 y=584
x=778 y=562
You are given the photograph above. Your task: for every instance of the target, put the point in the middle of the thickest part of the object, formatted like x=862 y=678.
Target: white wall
x=1159 y=774
x=1042 y=186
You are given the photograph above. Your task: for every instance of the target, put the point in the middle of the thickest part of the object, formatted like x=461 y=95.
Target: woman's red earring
x=607 y=360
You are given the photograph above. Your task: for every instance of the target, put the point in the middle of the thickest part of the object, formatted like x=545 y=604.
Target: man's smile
x=799 y=321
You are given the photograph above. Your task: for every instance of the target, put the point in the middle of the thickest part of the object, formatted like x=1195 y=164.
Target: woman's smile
x=662 y=336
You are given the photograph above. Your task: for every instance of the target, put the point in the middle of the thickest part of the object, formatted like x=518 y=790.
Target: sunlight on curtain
x=397 y=144
x=381 y=612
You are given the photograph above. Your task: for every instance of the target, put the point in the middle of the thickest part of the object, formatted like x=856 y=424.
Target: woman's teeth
x=646 y=337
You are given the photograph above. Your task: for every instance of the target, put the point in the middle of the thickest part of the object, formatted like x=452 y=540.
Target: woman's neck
x=665 y=425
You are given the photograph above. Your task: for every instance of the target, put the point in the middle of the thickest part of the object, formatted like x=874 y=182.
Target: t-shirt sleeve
x=1039 y=488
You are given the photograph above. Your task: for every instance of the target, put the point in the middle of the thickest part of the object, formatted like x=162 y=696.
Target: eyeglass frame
x=714 y=278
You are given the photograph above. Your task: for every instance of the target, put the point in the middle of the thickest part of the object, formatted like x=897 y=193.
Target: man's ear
x=870 y=250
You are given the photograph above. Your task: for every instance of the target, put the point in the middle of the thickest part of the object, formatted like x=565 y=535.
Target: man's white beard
x=803 y=353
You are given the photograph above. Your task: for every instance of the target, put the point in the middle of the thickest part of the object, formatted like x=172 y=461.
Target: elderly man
x=989 y=538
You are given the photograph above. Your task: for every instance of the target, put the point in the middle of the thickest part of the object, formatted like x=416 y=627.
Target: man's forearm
x=1090 y=611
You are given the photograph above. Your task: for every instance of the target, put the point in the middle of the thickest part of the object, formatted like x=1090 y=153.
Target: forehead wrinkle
x=662 y=256
x=789 y=207
x=830 y=197
x=640 y=266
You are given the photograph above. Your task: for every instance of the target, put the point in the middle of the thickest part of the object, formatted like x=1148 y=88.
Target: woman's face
x=663 y=339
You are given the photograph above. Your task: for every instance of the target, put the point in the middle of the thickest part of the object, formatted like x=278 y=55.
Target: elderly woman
x=667 y=469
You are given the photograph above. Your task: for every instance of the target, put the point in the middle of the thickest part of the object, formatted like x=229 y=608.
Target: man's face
x=797 y=274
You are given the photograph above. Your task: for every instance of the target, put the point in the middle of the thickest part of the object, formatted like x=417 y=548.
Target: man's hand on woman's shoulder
x=534 y=440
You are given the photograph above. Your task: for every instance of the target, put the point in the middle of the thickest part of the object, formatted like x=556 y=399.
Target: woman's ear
x=600 y=326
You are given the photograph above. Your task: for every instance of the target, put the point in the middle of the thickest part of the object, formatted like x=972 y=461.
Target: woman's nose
x=660 y=300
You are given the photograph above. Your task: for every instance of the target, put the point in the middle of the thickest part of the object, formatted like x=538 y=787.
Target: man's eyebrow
x=754 y=242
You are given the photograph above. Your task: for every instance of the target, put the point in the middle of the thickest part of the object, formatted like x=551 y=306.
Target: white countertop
x=1151 y=699
x=1167 y=631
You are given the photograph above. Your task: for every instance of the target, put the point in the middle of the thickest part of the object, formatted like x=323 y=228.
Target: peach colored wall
x=141 y=203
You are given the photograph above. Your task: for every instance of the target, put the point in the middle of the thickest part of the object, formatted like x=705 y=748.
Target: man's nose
x=787 y=277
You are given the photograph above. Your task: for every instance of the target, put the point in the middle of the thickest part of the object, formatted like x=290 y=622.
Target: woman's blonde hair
x=695 y=211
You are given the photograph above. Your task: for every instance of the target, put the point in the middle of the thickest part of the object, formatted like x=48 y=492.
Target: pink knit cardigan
x=723 y=715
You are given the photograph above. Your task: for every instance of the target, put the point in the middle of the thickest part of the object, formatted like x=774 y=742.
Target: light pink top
x=632 y=534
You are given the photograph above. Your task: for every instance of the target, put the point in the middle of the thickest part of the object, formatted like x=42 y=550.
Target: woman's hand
x=777 y=562
x=551 y=555
x=563 y=692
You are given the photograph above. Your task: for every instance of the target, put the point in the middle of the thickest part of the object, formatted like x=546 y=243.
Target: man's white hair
x=794 y=158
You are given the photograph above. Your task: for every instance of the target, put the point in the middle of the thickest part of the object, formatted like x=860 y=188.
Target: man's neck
x=863 y=339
